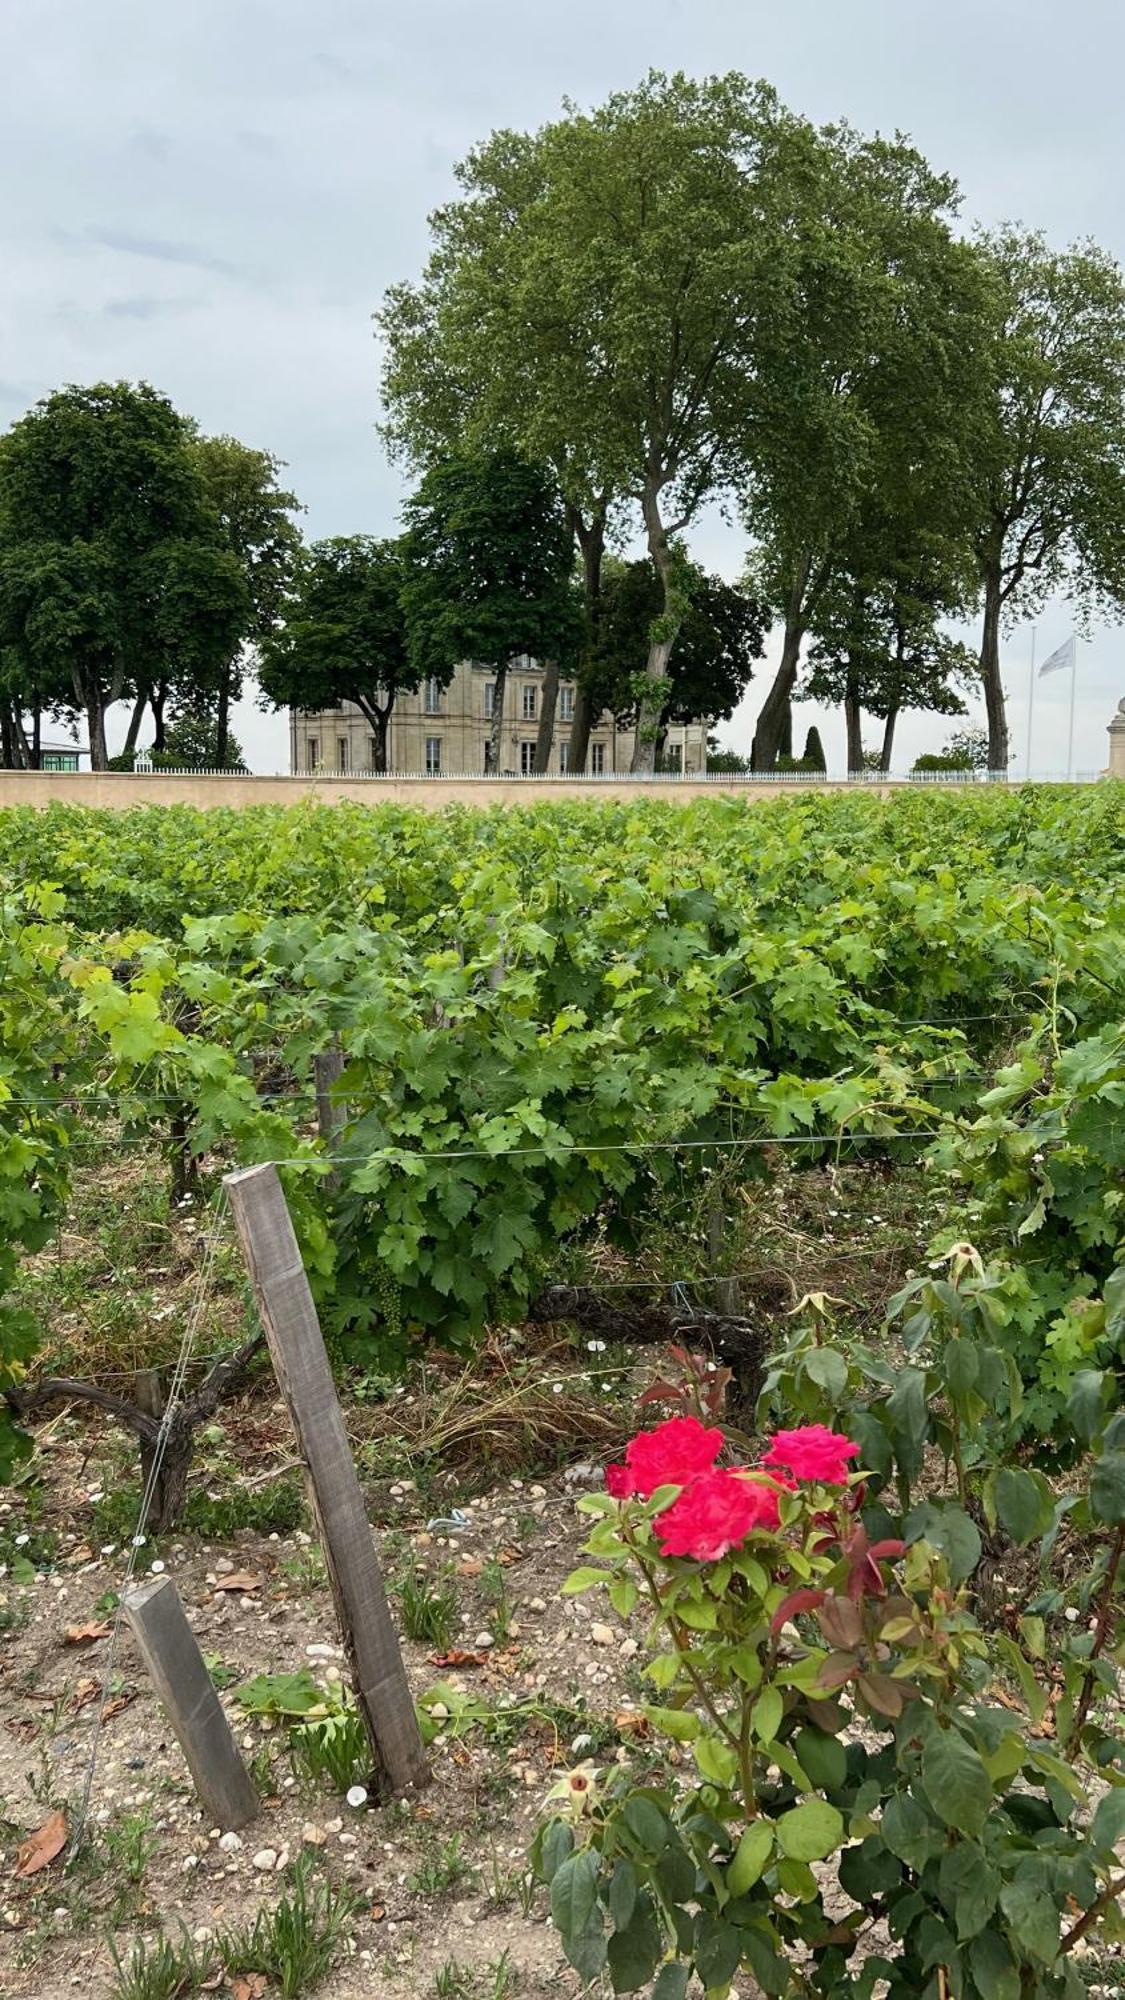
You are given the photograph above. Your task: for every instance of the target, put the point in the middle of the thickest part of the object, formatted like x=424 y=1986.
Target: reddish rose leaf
x=457 y=1657
x=841 y=1622
x=42 y=1847
x=248 y=1985
x=797 y=1601
x=836 y=1669
x=242 y=1580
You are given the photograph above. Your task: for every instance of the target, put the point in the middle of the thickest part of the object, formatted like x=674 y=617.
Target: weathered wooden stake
x=296 y=1344
x=328 y=1068
x=725 y=1297
x=175 y=1664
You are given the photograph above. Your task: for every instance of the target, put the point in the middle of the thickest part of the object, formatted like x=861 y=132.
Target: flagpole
x=1073 y=684
x=1030 y=704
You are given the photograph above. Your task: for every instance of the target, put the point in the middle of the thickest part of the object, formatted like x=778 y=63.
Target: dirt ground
x=556 y=1655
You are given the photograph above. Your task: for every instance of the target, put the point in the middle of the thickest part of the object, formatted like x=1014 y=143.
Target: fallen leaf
x=118 y=1702
x=41 y=1847
x=470 y=1566
x=86 y=1692
x=248 y=1985
x=629 y=1722
x=82 y=1554
x=242 y=1579
x=457 y=1657
x=377 y=1912
x=85 y=1635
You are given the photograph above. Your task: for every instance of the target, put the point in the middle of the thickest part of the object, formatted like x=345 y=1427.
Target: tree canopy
x=342 y=635
x=721 y=636
x=1048 y=468
x=113 y=568
x=488 y=571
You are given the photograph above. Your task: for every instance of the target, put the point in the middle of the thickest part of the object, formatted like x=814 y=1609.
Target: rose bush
x=843 y=1806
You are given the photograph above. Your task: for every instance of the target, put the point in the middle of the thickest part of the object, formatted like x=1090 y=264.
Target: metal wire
x=175 y=1391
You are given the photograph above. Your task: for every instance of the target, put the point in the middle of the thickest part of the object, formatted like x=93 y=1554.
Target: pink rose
x=714 y=1513
x=813 y=1452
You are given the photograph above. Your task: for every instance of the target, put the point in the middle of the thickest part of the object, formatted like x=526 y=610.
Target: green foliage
x=343 y=635
x=487 y=570
x=327 y=1739
x=429 y=1605
x=297 y=1943
x=720 y=637
x=828 y=1682
x=114 y=570
x=161 y=1968
x=1047 y=475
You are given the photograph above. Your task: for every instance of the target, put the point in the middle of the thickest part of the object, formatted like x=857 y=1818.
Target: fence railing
x=607 y=778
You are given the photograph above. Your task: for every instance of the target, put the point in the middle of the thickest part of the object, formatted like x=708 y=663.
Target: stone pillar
x=1117 y=743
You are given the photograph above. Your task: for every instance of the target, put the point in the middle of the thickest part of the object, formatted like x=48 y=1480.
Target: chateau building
x=446 y=730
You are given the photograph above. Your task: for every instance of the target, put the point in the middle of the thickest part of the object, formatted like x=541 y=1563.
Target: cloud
x=145 y=306
x=163 y=251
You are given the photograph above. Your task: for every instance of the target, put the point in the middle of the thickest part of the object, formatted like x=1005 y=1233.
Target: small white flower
x=156 y=1566
x=357 y=1796
x=595 y=1347
x=556 y=1388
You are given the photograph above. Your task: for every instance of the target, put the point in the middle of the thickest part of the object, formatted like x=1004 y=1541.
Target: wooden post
x=175 y=1664
x=328 y=1068
x=296 y=1344
x=725 y=1298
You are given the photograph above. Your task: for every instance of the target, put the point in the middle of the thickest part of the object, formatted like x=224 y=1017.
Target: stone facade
x=444 y=731
x=1117 y=743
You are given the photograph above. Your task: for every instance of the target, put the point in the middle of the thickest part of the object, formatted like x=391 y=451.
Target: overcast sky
x=214 y=195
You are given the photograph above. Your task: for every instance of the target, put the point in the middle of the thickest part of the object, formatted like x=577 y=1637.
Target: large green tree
x=871 y=383
x=256 y=517
x=342 y=635
x=594 y=296
x=488 y=559
x=113 y=567
x=1049 y=468
x=720 y=640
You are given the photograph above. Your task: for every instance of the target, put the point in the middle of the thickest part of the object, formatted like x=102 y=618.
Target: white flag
x=1060 y=659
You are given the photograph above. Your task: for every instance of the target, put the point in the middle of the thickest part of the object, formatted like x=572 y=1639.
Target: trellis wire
x=137 y=1542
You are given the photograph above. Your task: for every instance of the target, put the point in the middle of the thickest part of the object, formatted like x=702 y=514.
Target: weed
x=222 y=1676
x=295 y=1944
x=277 y=1507
x=263 y=1776
x=158 y=1969
x=495 y=1981
x=130 y=1845
x=494 y=1590
x=331 y=1748
x=511 y=1885
x=429 y=1606
x=453 y=1981
x=442 y=1869
x=306 y=1569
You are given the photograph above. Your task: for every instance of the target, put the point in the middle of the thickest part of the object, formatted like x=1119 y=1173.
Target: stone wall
x=121 y=789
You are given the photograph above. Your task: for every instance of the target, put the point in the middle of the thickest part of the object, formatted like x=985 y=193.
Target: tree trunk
x=990 y=676
x=785 y=747
x=591 y=541
x=776 y=713
x=159 y=699
x=135 y=720
x=581 y=725
x=888 y=739
x=492 y=751
x=381 y=718
x=654 y=700
x=95 y=723
x=545 y=736
x=222 y=720
x=854 y=719
x=7 y=738
x=37 y=738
